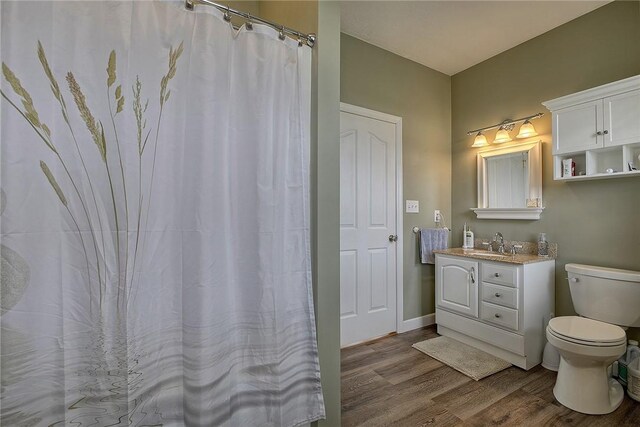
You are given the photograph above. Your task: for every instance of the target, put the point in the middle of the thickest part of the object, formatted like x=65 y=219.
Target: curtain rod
x=310 y=38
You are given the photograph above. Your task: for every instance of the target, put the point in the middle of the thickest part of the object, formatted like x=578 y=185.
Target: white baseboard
x=417 y=322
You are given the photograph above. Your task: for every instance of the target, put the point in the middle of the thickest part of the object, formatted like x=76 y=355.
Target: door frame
x=397 y=122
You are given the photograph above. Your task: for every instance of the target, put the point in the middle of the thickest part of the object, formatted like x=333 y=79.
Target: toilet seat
x=587 y=332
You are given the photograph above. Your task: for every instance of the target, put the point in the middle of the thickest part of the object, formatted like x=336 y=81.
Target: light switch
x=412 y=206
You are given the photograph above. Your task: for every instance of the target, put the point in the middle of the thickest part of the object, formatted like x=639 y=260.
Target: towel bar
x=416 y=230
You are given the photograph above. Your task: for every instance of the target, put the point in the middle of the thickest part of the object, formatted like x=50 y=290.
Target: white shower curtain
x=154 y=219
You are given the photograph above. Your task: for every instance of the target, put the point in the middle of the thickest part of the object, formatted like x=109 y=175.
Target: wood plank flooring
x=386 y=382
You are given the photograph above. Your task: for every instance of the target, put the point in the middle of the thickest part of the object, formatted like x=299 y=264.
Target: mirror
x=510 y=182
x=507 y=180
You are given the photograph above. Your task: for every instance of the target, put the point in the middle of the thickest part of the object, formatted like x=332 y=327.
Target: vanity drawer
x=501 y=316
x=501 y=295
x=500 y=274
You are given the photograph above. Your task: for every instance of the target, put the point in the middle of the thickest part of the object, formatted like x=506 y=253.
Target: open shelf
x=600 y=176
x=593 y=164
x=598 y=161
x=631 y=157
x=580 y=160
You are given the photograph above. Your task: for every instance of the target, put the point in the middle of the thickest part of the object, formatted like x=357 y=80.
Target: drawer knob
x=498 y=295
x=498 y=315
x=497 y=274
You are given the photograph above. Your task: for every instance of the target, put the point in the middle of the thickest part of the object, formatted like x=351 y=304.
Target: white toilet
x=606 y=299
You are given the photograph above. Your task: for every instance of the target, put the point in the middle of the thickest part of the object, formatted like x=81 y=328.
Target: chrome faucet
x=499 y=242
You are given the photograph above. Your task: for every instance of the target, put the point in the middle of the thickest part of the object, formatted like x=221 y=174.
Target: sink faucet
x=499 y=242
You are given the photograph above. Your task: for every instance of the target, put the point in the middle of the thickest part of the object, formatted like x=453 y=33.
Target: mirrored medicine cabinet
x=510 y=182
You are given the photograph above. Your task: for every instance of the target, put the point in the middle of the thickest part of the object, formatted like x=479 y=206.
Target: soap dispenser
x=467 y=238
x=543 y=245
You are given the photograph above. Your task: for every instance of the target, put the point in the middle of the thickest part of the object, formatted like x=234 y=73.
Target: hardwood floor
x=386 y=382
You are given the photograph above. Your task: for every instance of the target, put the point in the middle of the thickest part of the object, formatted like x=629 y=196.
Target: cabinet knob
x=599 y=132
x=497 y=315
x=497 y=274
x=498 y=295
x=606 y=132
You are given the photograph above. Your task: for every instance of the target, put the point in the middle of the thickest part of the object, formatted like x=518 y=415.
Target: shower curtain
x=154 y=219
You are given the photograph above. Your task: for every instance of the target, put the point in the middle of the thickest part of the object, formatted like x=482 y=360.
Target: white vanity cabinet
x=499 y=307
x=599 y=129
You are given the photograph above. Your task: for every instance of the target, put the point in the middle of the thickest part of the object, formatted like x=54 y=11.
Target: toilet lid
x=587 y=330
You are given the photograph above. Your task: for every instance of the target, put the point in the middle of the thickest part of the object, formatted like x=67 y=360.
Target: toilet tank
x=606 y=294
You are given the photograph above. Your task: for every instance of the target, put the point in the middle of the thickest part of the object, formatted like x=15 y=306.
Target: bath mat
x=470 y=361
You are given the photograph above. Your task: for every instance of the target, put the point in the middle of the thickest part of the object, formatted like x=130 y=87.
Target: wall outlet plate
x=412 y=206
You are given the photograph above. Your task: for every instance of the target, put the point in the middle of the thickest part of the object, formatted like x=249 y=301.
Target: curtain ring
x=248 y=25
x=227 y=15
x=281 y=34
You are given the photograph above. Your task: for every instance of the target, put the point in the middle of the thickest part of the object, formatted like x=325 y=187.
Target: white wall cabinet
x=599 y=129
x=501 y=308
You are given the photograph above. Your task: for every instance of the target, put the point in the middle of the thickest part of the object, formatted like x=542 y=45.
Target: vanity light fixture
x=480 y=141
x=526 y=130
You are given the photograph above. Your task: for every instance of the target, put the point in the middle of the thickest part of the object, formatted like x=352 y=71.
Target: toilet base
x=584 y=386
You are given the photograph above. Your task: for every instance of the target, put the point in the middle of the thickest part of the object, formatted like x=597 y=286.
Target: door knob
x=393 y=238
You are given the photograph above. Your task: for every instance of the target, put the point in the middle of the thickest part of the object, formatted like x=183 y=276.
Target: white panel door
x=367 y=220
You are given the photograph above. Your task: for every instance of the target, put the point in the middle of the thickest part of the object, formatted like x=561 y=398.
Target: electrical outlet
x=412 y=206
x=436 y=216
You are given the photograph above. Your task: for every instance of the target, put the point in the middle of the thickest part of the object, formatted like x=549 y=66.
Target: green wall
x=326 y=203
x=594 y=222
x=377 y=79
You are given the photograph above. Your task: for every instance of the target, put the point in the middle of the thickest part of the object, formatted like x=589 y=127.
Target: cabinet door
x=576 y=128
x=622 y=119
x=457 y=285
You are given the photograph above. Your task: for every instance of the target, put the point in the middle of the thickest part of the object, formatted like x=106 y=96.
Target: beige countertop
x=491 y=256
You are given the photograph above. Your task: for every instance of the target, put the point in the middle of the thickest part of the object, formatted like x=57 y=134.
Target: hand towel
x=432 y=239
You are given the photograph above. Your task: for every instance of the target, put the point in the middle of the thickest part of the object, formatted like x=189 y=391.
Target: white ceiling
x=451 y=36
